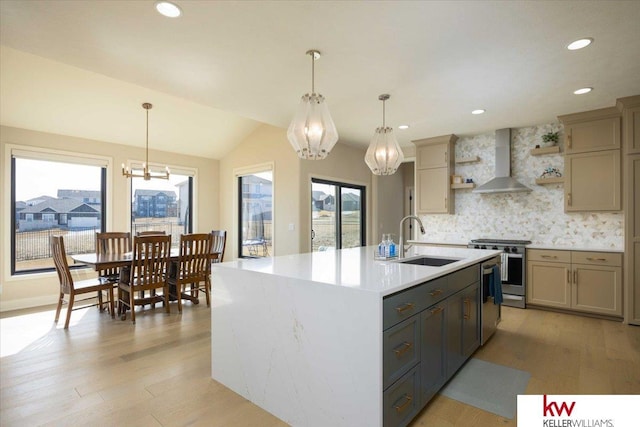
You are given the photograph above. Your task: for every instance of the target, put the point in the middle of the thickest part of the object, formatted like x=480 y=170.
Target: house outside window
x=163 y=205
x=47 y=199
x=255 y=211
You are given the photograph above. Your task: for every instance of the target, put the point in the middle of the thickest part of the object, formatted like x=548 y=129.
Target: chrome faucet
x=401 y=249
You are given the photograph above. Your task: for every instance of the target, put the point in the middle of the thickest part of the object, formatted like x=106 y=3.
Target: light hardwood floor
x=157 y=372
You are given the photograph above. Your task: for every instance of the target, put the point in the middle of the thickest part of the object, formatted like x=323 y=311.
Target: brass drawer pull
x=437 y=310
x=549 y=256
x=402 y=348
x=575 y=277
x=400 y=408
x=568 y=277
x=467 y=309
x=405 y=307
x=596 y=259
x=435 y=293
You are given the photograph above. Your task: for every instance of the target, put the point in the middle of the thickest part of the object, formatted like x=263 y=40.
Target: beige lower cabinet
x=575 y=280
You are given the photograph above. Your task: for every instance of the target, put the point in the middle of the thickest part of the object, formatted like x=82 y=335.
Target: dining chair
x=111 y=243
x=218 y=246
x=192 y=268
x=219 y=243
x=148 y=272
x=72 y=288
x=151 y=233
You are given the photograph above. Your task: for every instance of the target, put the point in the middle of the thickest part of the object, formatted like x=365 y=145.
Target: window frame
x=191 y=173
x=237 y=195
x=338 y=208
x=37 y=153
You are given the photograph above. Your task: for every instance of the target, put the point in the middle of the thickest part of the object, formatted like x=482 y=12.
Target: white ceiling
x=83 y=68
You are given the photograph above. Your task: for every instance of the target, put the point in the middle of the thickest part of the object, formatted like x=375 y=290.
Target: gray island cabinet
x=430 y=331
x=337 y=338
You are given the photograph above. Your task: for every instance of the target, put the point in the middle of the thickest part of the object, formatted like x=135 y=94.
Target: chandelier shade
x=312 y=133
x=384 y=154
x=146 y=172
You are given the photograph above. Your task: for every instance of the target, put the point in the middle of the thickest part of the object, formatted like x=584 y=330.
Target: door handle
x=568 y=277
x=405 y=307
x=575 y=277
x=467 y=309
x=569 y=139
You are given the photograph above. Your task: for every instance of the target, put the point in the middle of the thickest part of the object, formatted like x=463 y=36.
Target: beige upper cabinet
x=434 y=166
x=592 y=181
x=592 y=161
x=631 y=122
x=593 y=136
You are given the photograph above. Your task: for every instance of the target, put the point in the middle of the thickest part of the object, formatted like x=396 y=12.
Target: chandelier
x=384 y=155
x=312 y=132
x=145 y=172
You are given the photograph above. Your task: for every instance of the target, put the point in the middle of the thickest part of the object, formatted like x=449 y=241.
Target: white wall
x=537 y=216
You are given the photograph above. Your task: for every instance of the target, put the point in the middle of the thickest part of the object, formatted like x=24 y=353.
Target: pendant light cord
x=147 y=149
x=383 y=115
x=313 y=74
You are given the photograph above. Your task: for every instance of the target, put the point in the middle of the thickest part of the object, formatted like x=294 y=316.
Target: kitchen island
x=302 y=336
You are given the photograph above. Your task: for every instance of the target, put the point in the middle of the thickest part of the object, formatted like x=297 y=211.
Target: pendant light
x=146 y=172
x=312 y=132
x=384 y=154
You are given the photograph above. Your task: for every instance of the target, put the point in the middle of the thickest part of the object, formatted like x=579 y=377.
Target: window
x=255 y=214
x=337 y=215
x=163 y=205
x=48 y=197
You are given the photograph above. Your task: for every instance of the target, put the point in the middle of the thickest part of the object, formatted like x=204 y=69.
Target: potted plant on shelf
x=549 y=139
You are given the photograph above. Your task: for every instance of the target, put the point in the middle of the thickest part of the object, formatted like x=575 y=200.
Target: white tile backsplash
x=537 y=215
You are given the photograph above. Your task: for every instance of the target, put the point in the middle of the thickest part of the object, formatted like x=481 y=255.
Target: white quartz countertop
x=356 y=268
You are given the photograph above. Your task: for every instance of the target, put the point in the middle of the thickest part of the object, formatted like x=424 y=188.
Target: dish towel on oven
x=504 y=270
x=495 y=285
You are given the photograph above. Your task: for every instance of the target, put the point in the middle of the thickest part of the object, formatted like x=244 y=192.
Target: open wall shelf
x=545 y=150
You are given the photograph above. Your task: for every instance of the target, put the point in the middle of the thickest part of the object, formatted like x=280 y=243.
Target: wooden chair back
x=195 y=250
x=150 y=261
x=219 y=243
x=112 y=243
x=192 y=267
x=62 y=266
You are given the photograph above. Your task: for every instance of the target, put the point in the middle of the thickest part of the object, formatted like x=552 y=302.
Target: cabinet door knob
x=405 y=307
x=407 y=400
x=402 y=348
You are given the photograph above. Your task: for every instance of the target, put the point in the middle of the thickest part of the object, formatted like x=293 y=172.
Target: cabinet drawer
x=548 y=255
x=401 y=306
x=401 y=402
x=596 y=258
x=400 y=350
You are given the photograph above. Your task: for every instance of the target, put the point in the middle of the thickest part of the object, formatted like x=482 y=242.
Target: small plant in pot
x=549 y=139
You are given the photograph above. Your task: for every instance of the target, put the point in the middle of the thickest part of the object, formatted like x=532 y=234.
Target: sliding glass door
x=337 y=215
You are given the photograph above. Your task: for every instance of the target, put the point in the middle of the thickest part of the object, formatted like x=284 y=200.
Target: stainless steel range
x=512 y=269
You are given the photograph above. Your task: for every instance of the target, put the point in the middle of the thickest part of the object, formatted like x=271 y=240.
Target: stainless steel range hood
x=503 y=182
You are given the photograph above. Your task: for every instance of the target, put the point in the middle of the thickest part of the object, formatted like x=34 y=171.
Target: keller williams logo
x=548 y=408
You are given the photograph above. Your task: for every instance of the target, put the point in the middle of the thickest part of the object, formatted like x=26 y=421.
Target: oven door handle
x=514 y=255
x=488 y=269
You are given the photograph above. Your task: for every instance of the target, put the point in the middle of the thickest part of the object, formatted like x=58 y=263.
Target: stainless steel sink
x=430 y=261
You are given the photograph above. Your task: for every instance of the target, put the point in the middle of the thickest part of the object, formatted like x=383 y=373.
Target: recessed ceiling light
x=403 y=127
x=583 y=90
x=478 y=112
x=579 y=44
x=168 y=9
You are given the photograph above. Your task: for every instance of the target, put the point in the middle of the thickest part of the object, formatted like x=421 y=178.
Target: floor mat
x=493 y=388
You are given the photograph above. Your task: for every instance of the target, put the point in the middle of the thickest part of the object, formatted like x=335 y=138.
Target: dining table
x=105 y=261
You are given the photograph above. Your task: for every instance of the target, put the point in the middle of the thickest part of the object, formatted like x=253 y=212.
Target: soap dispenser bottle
x=392 y=247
